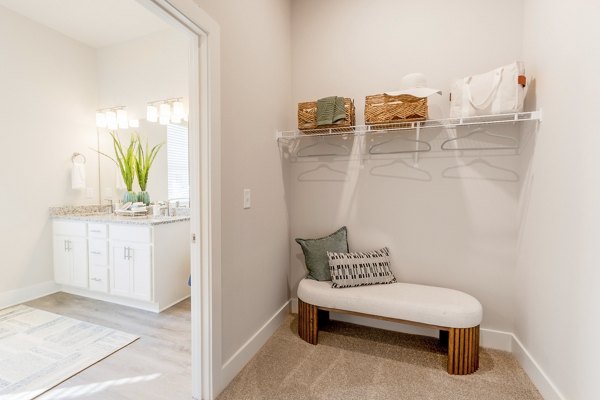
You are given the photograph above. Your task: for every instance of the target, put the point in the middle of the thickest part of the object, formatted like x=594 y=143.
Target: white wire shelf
x=448 y=123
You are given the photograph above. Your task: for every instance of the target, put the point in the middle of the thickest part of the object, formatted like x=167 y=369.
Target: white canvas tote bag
x=496 y=92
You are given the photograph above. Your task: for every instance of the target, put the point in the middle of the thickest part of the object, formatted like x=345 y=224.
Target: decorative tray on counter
x=132 y=210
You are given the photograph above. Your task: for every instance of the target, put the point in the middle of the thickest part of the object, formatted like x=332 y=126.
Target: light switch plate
x=247 y=198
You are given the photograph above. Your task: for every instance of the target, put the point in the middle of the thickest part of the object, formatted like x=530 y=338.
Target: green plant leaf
x=144 y=159
x=124 y=159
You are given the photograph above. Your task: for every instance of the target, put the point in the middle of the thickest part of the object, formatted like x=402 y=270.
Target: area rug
x=39 y=350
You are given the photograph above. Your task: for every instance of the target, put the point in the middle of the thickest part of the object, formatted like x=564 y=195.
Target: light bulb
x=111 y=120
x=100 y=120
x=165 y=109
x=165 y=113
x=122 y=119
x=151 y=113
x=178 y=112
x=134 y=123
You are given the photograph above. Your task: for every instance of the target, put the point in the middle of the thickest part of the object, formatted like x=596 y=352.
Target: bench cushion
x=406 y=301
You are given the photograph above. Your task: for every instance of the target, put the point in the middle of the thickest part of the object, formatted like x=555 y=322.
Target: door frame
x=205 y=188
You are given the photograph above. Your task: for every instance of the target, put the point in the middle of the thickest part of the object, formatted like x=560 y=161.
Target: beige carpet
x=355 y=362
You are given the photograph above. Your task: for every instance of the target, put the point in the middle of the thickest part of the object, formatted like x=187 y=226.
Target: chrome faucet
x=112 y=205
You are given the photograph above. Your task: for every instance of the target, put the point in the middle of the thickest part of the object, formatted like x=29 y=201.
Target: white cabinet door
x=141 y=265
x=131 y=270
x=70 y=260
x=79 y=254
x=62 y=260
x=120 y=270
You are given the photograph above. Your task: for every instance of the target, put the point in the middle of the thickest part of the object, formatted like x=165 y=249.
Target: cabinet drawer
x=98 y=231
x=98 y=252
x=129 y=233
x=69 y=228
x=99 y=279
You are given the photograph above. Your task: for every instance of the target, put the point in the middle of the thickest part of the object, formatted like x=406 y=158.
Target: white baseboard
x=235 y=363
x=18 y=296
x=124 y=301
x=544 y=384
x=498 y=340
x=489 y=338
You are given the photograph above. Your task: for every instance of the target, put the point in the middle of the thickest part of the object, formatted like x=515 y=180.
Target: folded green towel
x=325 y=110
x=340 y=110
x=330 y=110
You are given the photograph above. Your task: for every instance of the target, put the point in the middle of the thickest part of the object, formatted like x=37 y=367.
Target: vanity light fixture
x=112 y=118
x=151 y=113
x=178 y=112
x=166 y=111
x=122 y=119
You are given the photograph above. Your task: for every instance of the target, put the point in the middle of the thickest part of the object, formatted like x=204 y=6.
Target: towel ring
x=75 y=155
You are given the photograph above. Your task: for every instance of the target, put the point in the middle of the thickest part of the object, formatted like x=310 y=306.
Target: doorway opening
x=46 y=36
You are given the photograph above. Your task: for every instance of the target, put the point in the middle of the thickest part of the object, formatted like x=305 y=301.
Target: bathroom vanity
x=139 y=262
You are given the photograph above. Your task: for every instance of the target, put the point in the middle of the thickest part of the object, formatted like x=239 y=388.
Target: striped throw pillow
x=360 y=269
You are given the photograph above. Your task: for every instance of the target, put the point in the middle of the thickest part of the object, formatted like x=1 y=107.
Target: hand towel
x=325 y=110
x=78 y=175
x=339 y=113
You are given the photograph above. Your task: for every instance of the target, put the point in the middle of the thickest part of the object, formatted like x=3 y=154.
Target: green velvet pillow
x=315 y=253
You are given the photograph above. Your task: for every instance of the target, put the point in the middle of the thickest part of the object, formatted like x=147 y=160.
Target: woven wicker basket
x=307 y=118
x=383 y=108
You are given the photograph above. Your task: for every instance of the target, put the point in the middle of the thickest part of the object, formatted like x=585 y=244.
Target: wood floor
x=156 y=366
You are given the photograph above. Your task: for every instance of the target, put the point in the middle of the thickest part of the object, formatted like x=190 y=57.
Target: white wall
x=131 y=74
x=149 y=68
x=458 y=233
x=48 y=96
x=557 y=276
x=256 y=96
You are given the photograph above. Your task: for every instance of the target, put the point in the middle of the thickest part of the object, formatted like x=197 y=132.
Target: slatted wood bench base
x=463 y=343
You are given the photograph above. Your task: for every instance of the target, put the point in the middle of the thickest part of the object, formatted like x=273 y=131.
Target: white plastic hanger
x=427 y=146
x=338 y=176
x=324 y=144
x=502 y=174
x=512 y=143
x=418 y=174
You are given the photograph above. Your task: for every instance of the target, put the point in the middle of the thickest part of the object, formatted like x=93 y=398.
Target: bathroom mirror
x=169 y=175
x=103 y=54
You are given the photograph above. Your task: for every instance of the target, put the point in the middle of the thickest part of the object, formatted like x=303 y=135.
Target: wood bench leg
x=308 y=322
x=463 y=350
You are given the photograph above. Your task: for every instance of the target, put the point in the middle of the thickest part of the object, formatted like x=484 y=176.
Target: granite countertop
x=118 y=219
x=99 y=214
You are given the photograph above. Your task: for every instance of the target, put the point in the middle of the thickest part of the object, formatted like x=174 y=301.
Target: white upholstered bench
x=455 y=314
